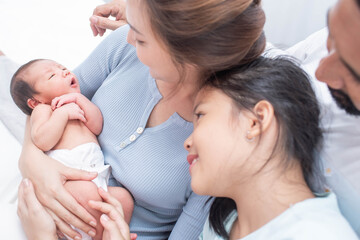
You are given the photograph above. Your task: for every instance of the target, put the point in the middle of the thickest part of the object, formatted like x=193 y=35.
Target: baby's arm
x=93 y=116
x=47 y=126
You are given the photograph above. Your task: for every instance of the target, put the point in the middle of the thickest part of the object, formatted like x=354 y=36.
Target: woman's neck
x=180 y=96
x=267 y=196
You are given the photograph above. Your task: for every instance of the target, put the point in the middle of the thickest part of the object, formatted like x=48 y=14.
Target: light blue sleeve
x=102 y=61
x=191 y=221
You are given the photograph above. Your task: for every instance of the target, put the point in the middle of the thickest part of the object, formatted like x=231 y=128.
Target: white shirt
x=312 y=219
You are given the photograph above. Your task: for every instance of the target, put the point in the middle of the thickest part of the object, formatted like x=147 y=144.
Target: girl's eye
x=198 y=115
x=51 y=76
x=140 y=42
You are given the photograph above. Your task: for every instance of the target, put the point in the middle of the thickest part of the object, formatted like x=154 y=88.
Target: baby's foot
x=1 y=53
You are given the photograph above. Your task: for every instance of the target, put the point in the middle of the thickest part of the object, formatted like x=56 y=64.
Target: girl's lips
x=191 y=158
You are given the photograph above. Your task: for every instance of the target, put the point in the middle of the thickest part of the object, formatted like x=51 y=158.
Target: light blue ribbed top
x=149 y=162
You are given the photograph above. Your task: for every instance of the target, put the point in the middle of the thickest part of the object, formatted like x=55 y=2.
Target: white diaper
x=88 y=157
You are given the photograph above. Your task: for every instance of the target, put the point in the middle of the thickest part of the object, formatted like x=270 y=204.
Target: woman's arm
x=48 y=177
x=191 y=221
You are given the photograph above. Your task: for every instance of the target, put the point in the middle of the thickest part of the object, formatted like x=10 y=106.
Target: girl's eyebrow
x=197 y=106
x=134 y=29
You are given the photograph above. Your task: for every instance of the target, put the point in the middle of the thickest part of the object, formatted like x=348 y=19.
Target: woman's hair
x=213 y=34
x=287 y=88
x=21 y=90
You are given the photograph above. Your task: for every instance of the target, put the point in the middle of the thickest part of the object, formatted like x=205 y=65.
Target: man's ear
x=264 y=115
x=32 y=103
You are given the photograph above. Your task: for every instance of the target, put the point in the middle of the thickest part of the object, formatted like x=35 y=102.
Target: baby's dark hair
x=21 y=90
x=281 y=82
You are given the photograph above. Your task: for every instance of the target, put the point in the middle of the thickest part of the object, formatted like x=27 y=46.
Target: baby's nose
x=66 y=72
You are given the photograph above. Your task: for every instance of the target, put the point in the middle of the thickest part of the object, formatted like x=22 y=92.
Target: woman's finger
x=71 y=212
x=133 y=236
x=63 y=227
x=114 y=214
x=29 y=196
x=93 y=29
x=77 y=174
x=22 y=208
x=111 y=200
x=113 y=229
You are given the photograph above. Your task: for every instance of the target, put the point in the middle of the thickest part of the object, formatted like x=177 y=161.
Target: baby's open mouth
x=73 y=82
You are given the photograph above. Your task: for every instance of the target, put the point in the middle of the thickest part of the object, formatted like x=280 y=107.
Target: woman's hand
x=48 y=177
x=100 y=21
x=115 y=227
x=36 y=222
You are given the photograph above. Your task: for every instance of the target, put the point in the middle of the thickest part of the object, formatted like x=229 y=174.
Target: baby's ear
x=32 y=103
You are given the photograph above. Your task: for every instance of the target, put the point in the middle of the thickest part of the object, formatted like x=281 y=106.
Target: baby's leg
x=125 y=199
x=83 y=191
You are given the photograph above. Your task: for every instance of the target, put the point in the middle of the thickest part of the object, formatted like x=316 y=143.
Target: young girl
x=256 y=128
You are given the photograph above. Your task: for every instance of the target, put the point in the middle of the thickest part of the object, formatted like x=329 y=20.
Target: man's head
x=340 y=70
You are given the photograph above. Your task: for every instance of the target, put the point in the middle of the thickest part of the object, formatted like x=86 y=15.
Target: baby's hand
x=73 y=111
x=64 y=99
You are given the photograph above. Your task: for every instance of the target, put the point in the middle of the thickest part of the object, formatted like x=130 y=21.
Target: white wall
x=290 y=21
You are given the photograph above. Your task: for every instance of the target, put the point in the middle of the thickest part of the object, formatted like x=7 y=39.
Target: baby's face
x=51 y=80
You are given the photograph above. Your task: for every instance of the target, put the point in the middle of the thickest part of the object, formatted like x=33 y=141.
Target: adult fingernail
x=77 y=237
x=26 y=182
x=105 y=217
x=94 y=19
x=93 y=223
x=91 y=233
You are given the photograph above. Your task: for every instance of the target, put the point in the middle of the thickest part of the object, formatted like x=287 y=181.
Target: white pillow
x=11 y=116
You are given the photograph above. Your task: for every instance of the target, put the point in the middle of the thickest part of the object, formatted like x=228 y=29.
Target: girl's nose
x=187 y=143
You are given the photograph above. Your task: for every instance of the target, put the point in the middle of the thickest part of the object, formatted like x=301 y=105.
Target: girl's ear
x=261 y=121
x=32 y=103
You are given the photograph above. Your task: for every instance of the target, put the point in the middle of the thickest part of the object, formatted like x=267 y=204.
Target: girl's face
x=217 y=147
x=150 y=50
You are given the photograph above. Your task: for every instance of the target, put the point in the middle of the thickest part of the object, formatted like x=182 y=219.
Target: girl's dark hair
x=212 y=35
x=287 y=87
x=21 y=90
